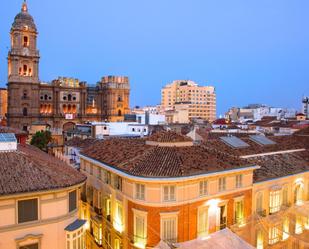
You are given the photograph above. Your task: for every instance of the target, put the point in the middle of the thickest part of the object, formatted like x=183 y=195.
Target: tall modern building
x=64 y=101
x=201 y=100
x=305 y=107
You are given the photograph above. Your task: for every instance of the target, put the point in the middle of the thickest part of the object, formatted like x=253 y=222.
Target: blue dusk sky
x=253 y=51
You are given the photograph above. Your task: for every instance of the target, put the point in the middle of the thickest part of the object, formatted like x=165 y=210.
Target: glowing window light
x=118 y=220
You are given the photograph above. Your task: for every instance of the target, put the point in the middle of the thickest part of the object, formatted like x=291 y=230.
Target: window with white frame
x=140 y=228
x=222 y=184
x=238 y=181
x=274 y=201
x=169 y=228
x=273 y=235
x=140 y=191
x=169 y=193
x=76 y=239
x=203 y=187
x=202 y=221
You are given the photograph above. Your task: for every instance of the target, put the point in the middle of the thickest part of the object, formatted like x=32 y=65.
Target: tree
x=41 y=139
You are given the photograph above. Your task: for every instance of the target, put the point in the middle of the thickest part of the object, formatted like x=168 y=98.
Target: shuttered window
x=72 y=201
x=27 y=210
x=169 y=229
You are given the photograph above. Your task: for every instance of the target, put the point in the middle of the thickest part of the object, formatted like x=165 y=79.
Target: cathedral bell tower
x=23 y=71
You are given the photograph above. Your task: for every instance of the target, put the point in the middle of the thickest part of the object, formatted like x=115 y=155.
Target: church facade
x=63 y=102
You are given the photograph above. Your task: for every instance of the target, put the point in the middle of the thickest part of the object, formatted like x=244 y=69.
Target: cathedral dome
x=24 y=19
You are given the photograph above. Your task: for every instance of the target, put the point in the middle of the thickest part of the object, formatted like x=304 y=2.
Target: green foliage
x=41 y=139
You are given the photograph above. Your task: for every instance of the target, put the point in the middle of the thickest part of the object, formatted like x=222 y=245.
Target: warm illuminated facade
x=39 y=200
x=201 y=100
x=63 y=102
x=136 y=204
x=3 y=102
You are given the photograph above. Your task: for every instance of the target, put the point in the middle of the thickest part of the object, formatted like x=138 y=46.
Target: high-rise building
x=305 y=107
x=201 y=100
x=3 y=102
x=63 y=102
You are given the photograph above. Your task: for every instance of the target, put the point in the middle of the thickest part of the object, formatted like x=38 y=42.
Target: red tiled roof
x=29 y=170
x=135 y=157
x=79 y=142
x=7 y=129
x=168 y=136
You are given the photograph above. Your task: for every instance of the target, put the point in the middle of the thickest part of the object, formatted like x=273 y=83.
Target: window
x=117 y=182
x=285 y=233
x=298 y=195
x=72 y=201
x=140 y=191
x=203 y=187
x=25 y=111
x=118 y=221
x=140 y=228
x=222 y=184
x=107 y=207
x=259 y=239
x=27 y=210
x=107 y=238
x=274 y=201
x=97 y=231
x=169 y=229
x=273 y=235
x=25 y=70
x=169 y=193
x=202 y=221
x=238 y=181
x=32 y=246
x=239 y=211
x=298 y=225
x=69 y=97
x=259 y=203
x=26 y=41
x=76 y=239
x=119 y=112
x=117 y=243
x=285 y=201
x=108 y=177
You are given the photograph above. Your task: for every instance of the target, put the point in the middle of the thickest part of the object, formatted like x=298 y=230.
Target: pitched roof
x=29 y=170
x=79 y=142
x=168 y=136
x=135 y=157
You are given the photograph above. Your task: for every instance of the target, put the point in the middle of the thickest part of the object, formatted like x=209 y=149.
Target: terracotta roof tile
x=28 y=170
x=168 y=136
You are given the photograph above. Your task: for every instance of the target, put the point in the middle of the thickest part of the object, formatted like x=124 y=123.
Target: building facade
x=39 y=199
x=64 y=101
x=201 y=100
x=138 y=203
x=3 y=102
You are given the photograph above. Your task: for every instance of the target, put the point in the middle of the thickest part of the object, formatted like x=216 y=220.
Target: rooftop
x=30 y=170
x=79 y=142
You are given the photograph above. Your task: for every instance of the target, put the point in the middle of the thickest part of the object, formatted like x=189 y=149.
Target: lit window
x=274 y=201
x=298 y=225
x=273 y=235
x=118 y=221
x=239 y=211
x=169 y=193
x=298 y=195
x=285 y=229
x=238 y=181
x=259 y=239
x=140 y=191
x=202 y=221
x=203 y=187
x=140 y=228
x=222 y=184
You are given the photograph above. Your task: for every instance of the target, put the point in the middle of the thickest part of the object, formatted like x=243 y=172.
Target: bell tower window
x=25 y=111
x=25 y=70
x=26 y=41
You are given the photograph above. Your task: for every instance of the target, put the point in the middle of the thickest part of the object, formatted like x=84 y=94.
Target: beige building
x=201 y=100
x=39 y=199
x=3 y=102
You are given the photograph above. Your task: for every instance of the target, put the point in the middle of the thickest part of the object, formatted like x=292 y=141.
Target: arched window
x=298 y=194
x=69 y=97
x=26 y=41
x=119 y=112
x=25 y=111
x=25 y=70
x=25 y=94
x=119 y=98
x=64 y=107
x=69 y=108
x=74 y=109
x=45 y=96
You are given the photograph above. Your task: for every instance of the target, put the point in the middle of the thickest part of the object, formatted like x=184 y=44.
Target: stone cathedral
x=64 y=101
